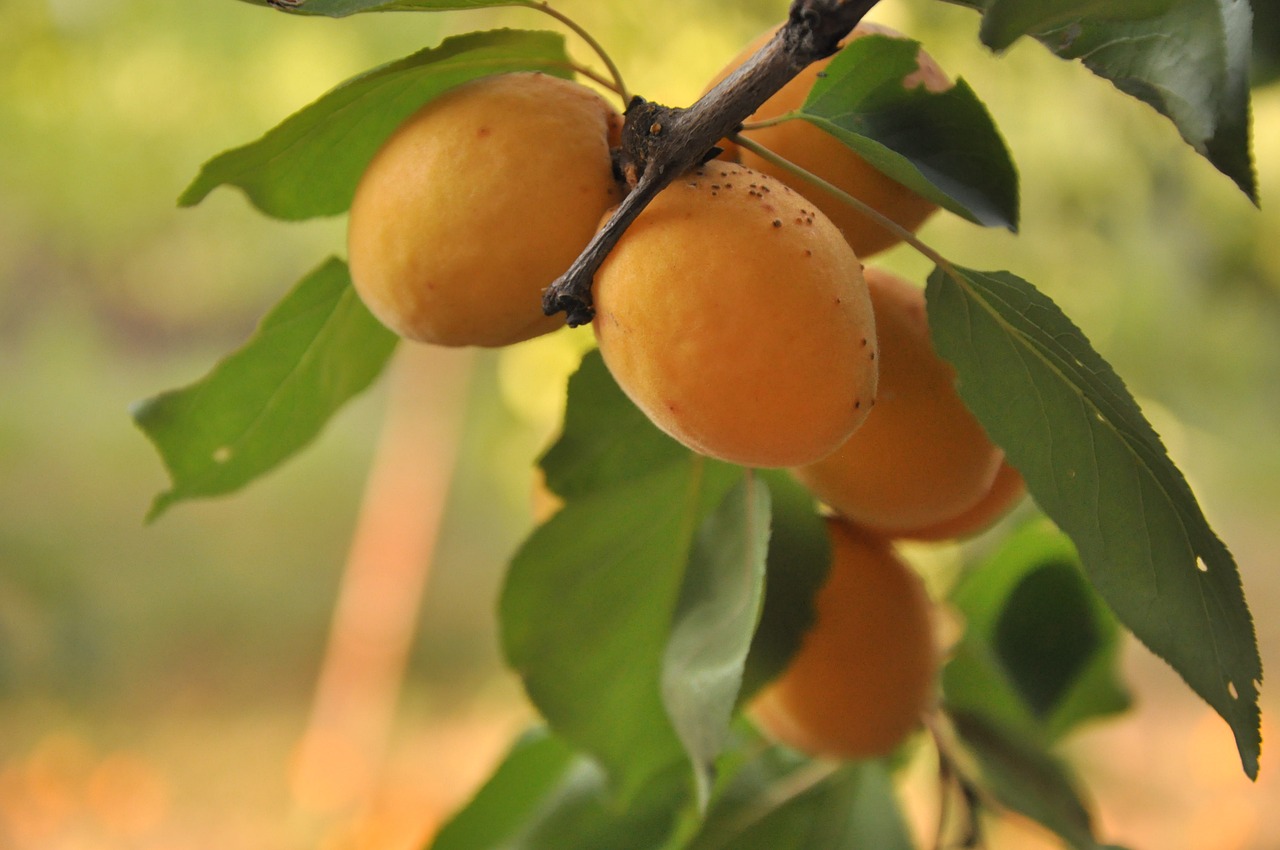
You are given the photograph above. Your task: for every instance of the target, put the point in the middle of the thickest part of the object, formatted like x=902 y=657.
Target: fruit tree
x=718 y=616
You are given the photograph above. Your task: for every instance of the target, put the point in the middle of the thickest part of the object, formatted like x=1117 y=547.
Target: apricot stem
x=870 y=212
x=618 y=85
x=659 y=143
x=949 y=774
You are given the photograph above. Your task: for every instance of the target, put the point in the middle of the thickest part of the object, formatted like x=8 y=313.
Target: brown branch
x=659 y=143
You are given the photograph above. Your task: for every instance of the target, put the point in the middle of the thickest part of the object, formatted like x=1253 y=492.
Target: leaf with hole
x=312 y=353
x=1097 y=468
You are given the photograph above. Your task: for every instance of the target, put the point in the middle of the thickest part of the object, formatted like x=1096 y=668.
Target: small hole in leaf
x=1231 y=689
x=222 y=454
x=1201 y=565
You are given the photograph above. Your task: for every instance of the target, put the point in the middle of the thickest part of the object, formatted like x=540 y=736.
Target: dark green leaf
x=1096 y=467
x=824 y=807
x=942 y=146
x=342 y=8
x=546 y=797
x=309 y=165
x=315 y=350
x=1040 y=650
x=798 y=559
x=1028 y=780
x=1046 y=634
x=1266 y=43
x=1188 y=59
x=714 y=622
x=596 y=596
x=1006 y=21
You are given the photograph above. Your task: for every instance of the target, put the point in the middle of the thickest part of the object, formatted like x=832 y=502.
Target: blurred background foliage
x=155 y=680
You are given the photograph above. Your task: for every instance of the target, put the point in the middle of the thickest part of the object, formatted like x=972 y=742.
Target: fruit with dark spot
x=921 y=458
x=737 y=331
x=822 y=154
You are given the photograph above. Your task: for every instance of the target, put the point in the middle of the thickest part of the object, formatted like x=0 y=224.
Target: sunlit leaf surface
x=310 y=163
x=629 y=613
x=314 y=351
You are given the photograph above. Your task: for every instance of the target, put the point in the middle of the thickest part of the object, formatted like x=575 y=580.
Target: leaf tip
x=159 y=505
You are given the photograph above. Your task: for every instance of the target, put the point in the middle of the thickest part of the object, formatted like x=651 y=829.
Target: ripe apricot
x=735 y=316
x=921 y=458
x=1006 y=490
x=864 y=672
x=476 y=203
x=822 y=154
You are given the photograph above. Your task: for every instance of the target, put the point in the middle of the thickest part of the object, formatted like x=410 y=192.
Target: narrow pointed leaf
x=943 y=146
x=798 y=560
x=313 y=352
x=1098 y=470
x=309 y=164
x=597 y=609
x=715 y=619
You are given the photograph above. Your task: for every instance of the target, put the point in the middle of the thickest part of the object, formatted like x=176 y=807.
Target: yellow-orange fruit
x=735 y=316
x=476 y=203
x=921 y=458
x=864 y=672
x=1007 y=490
x=820 y=153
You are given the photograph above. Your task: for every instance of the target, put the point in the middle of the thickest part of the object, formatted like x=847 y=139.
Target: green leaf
x=943 y=146
x=1040 y=650
x=606 y=440
x=1027 y=779
x=342 y=8
x=1005 y=21
x=596 y=611
x=798 y=559
x=1188 y=59
x=544 y=796
x=1266 y=44
x=714 y=622
x=822 y=806
x=314 y=351
x=309 y=164
x=1098 y=469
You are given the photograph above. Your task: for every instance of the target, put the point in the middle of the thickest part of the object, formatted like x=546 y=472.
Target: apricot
x=1006 y=490
x=864 y=672
x=477 y=202
x=735 y=316
x=822 y=154
x=921 y=458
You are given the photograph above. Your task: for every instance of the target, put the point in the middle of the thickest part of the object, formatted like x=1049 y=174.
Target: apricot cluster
x=737 y=313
